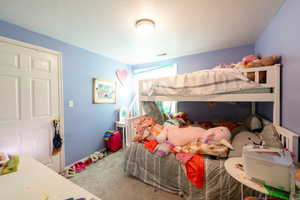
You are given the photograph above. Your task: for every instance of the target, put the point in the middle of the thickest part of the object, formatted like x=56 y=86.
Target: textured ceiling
x=106 y=27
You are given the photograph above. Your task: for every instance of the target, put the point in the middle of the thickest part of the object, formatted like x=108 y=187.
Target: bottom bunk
x=168 y=174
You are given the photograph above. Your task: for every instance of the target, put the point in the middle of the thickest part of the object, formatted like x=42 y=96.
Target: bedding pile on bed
x=168 y=174
x=187 y=143
x=176 y=156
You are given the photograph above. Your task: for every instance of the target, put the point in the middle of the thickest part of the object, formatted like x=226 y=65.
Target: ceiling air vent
x=162 y=54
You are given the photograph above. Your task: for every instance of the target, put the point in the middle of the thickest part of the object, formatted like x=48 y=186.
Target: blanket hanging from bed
x=195 y=170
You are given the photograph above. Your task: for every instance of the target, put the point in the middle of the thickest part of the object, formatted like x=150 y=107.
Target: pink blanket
x=182 y=136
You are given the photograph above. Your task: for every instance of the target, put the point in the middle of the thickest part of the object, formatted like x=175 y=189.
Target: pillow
x=271 y=137
x=237 y=130
x=241 y=140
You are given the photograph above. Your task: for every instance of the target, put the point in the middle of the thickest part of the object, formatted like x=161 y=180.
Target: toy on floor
x=82 y=165
x=68 y=173
x=97 y=156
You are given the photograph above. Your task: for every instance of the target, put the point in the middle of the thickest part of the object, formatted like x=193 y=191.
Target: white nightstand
x=122 y=126
x=240 y=175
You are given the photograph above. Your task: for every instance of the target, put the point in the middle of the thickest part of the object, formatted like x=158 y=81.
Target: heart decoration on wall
x=122 y=75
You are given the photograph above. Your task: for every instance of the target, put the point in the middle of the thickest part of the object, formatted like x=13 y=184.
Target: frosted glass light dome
x=145 y=25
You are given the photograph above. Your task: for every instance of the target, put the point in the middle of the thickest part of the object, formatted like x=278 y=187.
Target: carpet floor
x=106 y=180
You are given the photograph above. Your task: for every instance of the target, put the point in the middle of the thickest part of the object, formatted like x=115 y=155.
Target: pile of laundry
x=189 y=143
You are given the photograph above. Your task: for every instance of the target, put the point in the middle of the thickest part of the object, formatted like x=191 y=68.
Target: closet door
x=29 y=101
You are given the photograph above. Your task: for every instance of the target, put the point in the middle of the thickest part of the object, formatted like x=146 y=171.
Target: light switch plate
x=71 y=103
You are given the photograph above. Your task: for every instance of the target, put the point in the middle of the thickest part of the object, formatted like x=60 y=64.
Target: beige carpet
x=106 y=180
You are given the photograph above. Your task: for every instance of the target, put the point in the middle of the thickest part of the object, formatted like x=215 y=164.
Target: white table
x=239 y=175
x=35 y=181
x=122 y=125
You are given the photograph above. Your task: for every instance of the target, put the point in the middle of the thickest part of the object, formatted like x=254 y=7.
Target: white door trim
x=60 y=84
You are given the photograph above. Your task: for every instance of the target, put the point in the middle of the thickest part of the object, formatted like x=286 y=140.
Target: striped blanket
x=168 y=174
x=204 y=82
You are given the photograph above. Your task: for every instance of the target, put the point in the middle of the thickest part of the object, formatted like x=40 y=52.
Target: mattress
x=168 y=174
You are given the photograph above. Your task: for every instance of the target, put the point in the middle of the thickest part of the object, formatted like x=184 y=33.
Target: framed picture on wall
x=104 y=92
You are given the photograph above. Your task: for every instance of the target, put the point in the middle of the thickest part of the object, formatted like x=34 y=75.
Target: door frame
x=60 y=85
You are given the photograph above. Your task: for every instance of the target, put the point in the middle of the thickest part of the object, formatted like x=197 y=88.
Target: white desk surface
x=239 y=175
x=34 y=181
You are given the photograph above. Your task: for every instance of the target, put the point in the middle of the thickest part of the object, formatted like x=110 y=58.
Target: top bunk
x=260 y=84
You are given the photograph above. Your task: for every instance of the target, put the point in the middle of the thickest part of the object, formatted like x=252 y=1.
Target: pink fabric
x=184 y=157
x=218 y=133
x=182 y=136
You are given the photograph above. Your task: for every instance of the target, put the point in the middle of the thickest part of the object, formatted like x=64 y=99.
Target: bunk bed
x=162 y=172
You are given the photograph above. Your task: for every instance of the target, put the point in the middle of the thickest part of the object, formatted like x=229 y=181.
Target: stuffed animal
x=249 y=59
x=146 y=128
x=181 y=115
x=265 y=61
x=254 y=61
x=182 y=136
x=218 y=133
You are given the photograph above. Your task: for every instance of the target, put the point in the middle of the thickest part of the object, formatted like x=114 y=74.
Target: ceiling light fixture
x=145 y=25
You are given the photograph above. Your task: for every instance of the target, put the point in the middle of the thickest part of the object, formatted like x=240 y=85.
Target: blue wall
x=86 y=122
x=201 y=111
x=282 y=37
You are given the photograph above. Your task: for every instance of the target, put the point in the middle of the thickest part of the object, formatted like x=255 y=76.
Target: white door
x=29 y=101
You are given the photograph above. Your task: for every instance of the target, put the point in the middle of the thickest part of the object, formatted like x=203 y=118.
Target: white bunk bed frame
x=288 y=138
